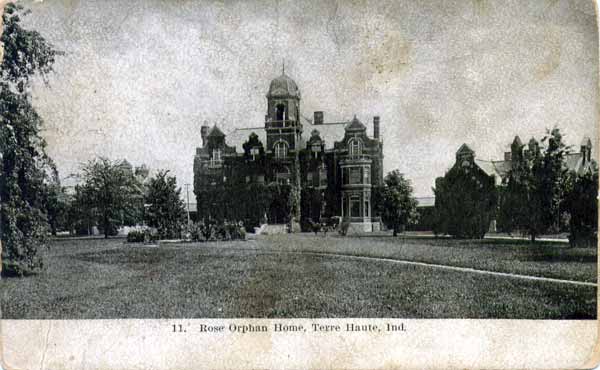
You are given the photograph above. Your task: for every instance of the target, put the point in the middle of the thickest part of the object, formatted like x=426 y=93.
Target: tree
x=582 y=206
x=520 y=206
x=398 y=206
x=166 y=209
x=112 y=190
x=533 y=200
x=57 y=204
x=551 y=176
x=24 y=163
x=465 y=201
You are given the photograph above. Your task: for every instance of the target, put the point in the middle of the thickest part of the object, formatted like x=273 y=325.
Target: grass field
x=94 y=278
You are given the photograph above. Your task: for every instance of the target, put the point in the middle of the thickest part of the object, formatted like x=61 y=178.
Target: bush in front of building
x=135 y=236
x=213 y=231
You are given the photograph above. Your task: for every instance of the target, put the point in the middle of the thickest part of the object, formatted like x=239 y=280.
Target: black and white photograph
x=271 y=159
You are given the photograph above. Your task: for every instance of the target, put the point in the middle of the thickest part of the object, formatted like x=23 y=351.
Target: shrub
x=135 y=236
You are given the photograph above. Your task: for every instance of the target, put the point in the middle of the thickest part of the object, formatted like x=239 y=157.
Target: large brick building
x=339 y=160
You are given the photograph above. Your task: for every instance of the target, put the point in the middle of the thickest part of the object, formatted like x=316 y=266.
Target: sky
x=140 y=77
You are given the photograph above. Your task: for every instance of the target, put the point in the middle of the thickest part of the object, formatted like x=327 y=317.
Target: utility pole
x=187 y=190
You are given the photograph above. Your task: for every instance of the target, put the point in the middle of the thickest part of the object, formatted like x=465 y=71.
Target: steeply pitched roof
x=464 y=149
x=355 y=125
x=587 y=142
x=215 y=132
x=329 y=132
x=239 y=136
x=517 y=141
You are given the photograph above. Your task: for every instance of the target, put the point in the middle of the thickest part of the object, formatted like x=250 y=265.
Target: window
x=366 y=208
x=215 y=161
x=367 y=173
x=316 y=149
x=254 y=153
x=323 y=176
x=355 y=206
x=281 y=150
x=283 y=177
x=355 y=147
x=280 y=112
x=355 y=175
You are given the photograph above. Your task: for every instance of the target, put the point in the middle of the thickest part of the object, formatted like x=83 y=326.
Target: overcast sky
x=140 y=76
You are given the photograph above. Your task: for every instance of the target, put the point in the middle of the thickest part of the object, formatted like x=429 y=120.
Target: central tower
x=282 y=121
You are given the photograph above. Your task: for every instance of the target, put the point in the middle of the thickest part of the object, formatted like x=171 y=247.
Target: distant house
x=498 y=170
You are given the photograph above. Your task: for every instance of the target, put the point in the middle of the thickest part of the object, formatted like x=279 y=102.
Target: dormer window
x=355 y=147
x=254 y=153
x=281 y=150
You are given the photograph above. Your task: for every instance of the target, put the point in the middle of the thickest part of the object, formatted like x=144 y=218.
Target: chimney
x=204 y=133
x=507 y=156
x=318 y=118
x=376 y=127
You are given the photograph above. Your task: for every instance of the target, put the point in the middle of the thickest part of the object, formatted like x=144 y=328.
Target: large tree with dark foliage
x=465 y=201
x=533 y=200
x=398 y=207
x=552 y=174
x=166 y=210
x=25 y=166
x=520 y=207
x=112 y=190
x=582 y=205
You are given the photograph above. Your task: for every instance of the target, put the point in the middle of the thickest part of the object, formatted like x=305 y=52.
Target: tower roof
x=283 y=86
x=464 y=149
x=355 y=125
x=216 y=132
x=517 y=141
x=587 y=142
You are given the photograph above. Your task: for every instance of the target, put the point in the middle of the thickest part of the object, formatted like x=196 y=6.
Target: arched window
x=355 y=147
x=280 y=112
x=281 y=150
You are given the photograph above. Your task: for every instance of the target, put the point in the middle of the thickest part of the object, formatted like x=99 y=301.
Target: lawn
x=544 y=259
x=94 y=278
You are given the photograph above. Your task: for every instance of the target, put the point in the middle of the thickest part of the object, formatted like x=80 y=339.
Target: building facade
x=337 y=163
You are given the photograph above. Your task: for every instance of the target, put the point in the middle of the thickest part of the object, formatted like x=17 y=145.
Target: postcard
x=299 y=184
